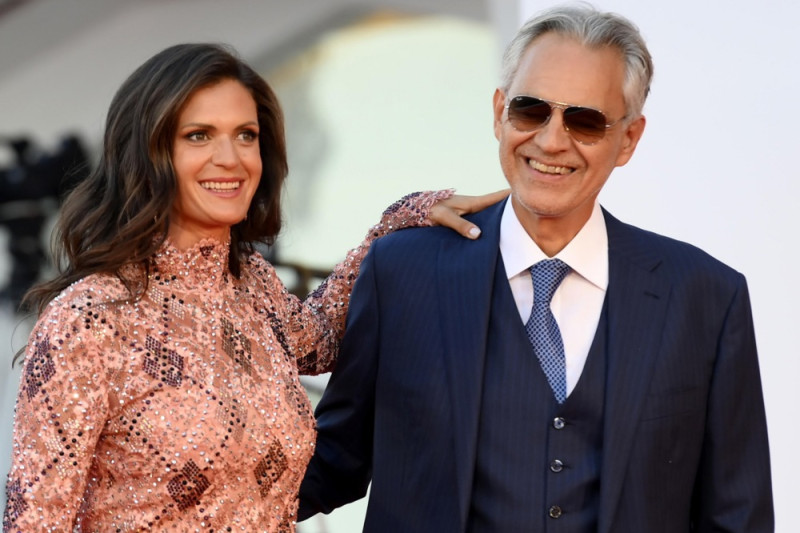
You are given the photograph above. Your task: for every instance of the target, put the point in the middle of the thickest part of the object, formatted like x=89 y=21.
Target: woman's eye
x=249 y=135
x=197 y=136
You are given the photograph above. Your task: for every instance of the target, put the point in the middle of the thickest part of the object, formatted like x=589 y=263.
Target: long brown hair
x=119 y=214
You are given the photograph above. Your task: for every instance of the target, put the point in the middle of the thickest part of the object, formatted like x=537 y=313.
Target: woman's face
x=217 y=163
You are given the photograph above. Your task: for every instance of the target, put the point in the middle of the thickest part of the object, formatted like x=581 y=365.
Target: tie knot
x=547 y=275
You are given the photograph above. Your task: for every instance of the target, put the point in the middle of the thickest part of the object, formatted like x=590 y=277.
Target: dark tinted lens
x=527 y=113
x=586 y=125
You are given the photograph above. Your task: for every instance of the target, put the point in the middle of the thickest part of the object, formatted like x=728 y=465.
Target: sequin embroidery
x=182 y=411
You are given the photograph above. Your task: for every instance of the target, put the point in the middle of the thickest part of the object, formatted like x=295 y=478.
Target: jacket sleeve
x=734 y=490
x=341 y=468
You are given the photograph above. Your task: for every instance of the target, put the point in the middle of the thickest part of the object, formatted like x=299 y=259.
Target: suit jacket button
x=556 y=465
x=559 y=423
x=554 y=511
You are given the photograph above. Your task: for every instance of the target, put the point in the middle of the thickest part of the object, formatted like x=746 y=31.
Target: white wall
x=717 y=167
x=62 y=60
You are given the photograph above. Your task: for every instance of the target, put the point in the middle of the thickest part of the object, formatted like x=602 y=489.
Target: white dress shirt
x=578 y=301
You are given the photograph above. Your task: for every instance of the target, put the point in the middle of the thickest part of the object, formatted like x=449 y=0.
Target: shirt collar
x=586 y=253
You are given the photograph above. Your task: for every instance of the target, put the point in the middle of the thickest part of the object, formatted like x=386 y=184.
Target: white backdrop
x=717 y=167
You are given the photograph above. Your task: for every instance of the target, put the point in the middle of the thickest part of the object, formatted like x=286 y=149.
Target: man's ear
x=499 y=104
x=633 y=132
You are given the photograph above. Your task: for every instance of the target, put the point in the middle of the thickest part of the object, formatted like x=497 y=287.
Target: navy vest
x=538 y=463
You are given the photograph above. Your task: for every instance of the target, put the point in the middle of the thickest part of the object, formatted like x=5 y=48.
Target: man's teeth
x=548 y=168
x=220 y=185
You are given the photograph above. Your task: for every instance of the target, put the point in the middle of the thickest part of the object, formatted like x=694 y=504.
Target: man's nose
x=553 y=136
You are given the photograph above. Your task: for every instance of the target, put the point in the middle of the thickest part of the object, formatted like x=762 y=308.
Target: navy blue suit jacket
x=685 y=438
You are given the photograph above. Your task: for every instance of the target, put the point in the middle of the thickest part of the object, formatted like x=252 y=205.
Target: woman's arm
x=60 y=412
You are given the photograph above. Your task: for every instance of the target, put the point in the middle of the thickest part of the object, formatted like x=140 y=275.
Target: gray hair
x=593 y=29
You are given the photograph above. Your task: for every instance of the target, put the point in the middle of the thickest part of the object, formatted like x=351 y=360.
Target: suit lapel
x=637 y=301
x=466 y=272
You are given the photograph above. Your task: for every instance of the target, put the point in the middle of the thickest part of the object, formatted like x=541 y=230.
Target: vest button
x=559 y=423
x=554 y=511
x=556 y=465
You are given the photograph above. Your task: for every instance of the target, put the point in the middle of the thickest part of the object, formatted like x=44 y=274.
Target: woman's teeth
x=220 y=185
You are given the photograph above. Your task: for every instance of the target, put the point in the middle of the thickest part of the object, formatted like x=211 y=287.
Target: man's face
x=553 y=177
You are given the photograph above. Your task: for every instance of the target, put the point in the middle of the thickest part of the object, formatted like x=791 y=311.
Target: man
x=478 y=401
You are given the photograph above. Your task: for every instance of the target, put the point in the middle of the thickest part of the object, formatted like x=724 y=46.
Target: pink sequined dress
x=182 y=411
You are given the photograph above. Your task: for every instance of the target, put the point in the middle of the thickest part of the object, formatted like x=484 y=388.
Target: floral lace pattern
x=182 y=411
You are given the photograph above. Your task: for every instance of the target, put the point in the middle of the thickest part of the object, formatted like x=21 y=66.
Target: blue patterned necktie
x=542 y=328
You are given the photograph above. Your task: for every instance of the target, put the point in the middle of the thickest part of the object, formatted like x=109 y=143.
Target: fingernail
x=474 y=232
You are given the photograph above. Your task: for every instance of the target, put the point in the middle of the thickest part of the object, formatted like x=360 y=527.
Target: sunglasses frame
x=563 y=107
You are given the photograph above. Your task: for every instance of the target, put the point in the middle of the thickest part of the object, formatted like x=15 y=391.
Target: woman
x=160 y=388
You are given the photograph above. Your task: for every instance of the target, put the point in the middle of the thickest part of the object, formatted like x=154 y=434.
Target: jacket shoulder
x=678 y=258
x=418 y=241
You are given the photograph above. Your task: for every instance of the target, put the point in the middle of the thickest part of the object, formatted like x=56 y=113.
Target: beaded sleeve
x=65 y=403
x=328 y=304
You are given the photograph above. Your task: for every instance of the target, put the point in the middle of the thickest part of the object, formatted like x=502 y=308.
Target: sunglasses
x=586 y=125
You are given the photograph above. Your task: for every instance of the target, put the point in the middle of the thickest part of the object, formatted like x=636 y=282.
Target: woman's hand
x=448 y=212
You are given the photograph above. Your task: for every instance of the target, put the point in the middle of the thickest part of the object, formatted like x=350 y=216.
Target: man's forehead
x=561 y=68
